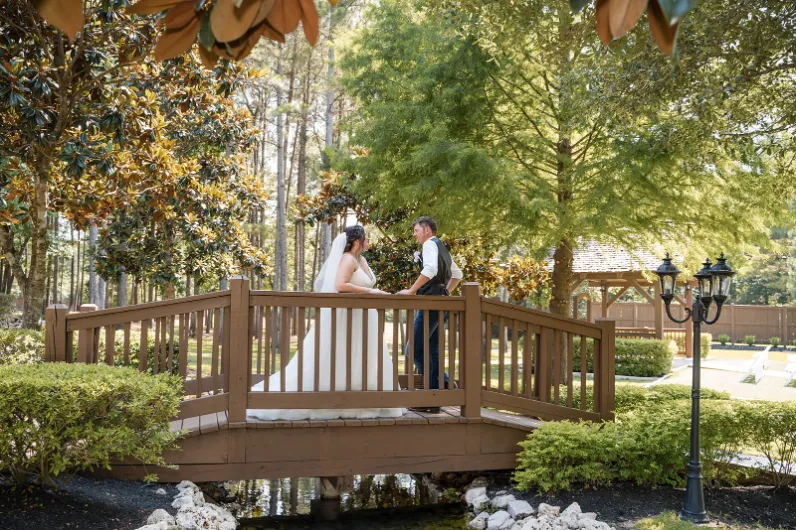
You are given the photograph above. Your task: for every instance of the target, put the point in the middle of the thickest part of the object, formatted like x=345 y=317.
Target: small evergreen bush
x=750 y=340
x=723 y=339
x=635 y=357
x=21 y=346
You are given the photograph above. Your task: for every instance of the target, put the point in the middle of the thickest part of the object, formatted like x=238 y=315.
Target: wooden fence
x=224 y=343
x=737 y=321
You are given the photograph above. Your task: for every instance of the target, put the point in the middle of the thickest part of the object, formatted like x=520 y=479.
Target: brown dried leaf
x=181 y=15
x=664 y=35
x=66 y=15
x=230 y=23
x=239 y=48
x=309 y=21
x=603 y=24
x=271 y=34
x=174 y=43
x=624 y=14
x=333 y=2
x=209 y=58
x=149 y=7
x=285 y=16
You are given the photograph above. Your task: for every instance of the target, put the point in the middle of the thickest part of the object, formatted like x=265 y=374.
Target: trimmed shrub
x=635 y=357
x=21 y=346
x=62 y=418
x=750 y=340
x=704 y=343
x=723 y=339
x=648 y=447
x=774 y=341
x=629 y=397
x=772 y=433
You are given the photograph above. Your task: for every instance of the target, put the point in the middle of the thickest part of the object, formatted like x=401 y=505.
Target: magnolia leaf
x=664 y=35
x=174 y=43
x=624 y=14
x=309 y=21
x=675 y=10
x=576 y=5
x=272 y=34
x=150 y=7
x=66 y=15
x=181 y=15
x=285 y=16
x=230 y=22
x=206 y=37
x=603 y=22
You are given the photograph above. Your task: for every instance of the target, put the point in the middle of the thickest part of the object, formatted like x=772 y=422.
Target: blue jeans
x=433 y=346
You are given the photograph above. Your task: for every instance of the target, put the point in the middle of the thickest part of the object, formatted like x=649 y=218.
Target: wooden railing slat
x=515 y=370
x=183 y=357
x=216 y=319
x=127 y=343
x=333 y=355
x=501 y=355
x=583 y=372
x=364 y=349
x=317 y=351
x=284 y=348
x=410 y=349
x=441 y=349
x=570 y=371
x=396 y=318
x=426 y=348
x=200 y=324
x=300 y=350
x=349 y=316
x=380 y=353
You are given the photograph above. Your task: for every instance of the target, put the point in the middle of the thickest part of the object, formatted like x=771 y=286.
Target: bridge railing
x=227 y=346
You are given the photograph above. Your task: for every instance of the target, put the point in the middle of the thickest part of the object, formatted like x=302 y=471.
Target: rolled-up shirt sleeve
x=430 y=259
x=456 y=272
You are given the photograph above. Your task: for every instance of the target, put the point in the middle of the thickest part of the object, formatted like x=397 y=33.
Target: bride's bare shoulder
x=348 y=261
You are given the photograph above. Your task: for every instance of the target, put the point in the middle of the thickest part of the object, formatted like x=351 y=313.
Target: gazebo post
x=604 y=299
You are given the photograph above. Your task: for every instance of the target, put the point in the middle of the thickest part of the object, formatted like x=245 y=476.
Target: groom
x=439 y=277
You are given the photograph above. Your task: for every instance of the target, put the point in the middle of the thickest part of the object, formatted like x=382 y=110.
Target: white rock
x=160 y=515
x=589 y=524
x=501 y=492
x=531 y=523
x=546 y=509
x=497 y=520
x=198 y=518
x=157 y=526
x=501 y=501
x=161 y=491
x=572 y=509
x=588 y=515
x=181 y=501
x=224 y=515
x=508 y=525
x=480 y=502
x=472 y=494
x=226 y=525
x=478 y=523
x=199 y=498
x=519 y=509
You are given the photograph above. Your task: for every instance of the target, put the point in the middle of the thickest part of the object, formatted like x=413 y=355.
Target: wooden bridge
x=513 y=367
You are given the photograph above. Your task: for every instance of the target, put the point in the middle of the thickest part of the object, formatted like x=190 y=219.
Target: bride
x=345 y=271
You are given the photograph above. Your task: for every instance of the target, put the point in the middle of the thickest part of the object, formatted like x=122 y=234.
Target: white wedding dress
x=325 y=283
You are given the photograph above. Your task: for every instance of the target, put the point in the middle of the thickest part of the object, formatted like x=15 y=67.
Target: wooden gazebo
x=615 y=270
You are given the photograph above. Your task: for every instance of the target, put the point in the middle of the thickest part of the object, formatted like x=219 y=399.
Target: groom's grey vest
x=438 y=285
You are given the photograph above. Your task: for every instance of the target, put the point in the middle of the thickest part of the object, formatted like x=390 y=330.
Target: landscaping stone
x=520 y=509
x=546 y=509
x=502 y=501
x=473 y=494
x=161 y=491
x=480 y=502
x=498 y=519
x=479 y=522
x=160 y=516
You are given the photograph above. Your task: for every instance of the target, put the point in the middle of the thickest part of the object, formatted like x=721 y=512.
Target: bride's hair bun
x=354 y=233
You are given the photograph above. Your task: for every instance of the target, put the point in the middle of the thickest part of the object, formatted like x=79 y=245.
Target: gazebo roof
x=600 y=257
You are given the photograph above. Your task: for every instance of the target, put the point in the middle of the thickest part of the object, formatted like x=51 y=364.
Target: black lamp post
x=714 y=285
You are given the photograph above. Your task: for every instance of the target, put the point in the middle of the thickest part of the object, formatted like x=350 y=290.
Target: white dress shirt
x=431 y=261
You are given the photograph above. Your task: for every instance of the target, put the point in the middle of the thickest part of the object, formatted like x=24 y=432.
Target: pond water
x=390 y=502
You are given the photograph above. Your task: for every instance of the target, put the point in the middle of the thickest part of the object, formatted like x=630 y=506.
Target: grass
x=671 y=521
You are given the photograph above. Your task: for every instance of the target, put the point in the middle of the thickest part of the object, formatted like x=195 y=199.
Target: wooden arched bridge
x=513 y=367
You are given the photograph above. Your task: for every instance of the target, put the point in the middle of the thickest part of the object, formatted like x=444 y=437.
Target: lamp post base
x=696 y=518
x=694 y=506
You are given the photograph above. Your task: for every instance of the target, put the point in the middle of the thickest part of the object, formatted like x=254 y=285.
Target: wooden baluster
x=226 y=348
x=396 y=317
x=274 y=336
x=515 y=359
x=426 y=354
x=156 y=348
x=557 y=340
x=260 y=332
x=333 y=356
x=200 y=330
x=583 y=372
x=110 y=344
x=364 y=349
x=501 y=355
x=183 y=348
x=570 y=370
x=488 y=353
x=85 y=339
x=380 y=357
x=267 y=359
x=317 y=374
x=172 y=320
x=144 y=344
x=527 y=364
x=70 y=346
x=127 y=343
x=284 y=347
x=216 y=344
x=300 y=349
x=596 y=381
x=348 y=359
x=544 y=363
x=410 y=357
x=252 y=311
x=441 y=348
x=163 y=344
x=451 y=349
x=472 y=352
x=237 y=359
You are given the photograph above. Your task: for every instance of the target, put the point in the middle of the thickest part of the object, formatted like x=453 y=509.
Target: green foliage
x=62 y=418
x=629 y=397
x=723 y=339
x=635 y=357
x=21 y=346
x=704 y=343
x=774 y=341
x=664 y=521
x=750 y=340
x=771 y=431
x=648 y=446
x=7 y=308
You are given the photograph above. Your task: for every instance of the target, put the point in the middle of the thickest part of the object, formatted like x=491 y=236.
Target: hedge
x=649 y=446
x=61 y=418
x=21 y=346
x=704 y=343
x=628 y=397
x=636 y=357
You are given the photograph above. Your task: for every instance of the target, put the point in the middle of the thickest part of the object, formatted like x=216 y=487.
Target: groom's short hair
x=427 y=222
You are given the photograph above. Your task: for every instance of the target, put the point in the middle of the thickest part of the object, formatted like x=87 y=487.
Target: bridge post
x=239 y=350
x=473 y=350
x=55 y=333
x=604 y=380
x=85 y=339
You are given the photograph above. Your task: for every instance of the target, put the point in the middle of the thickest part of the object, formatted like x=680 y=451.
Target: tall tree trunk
x=301 y=183
x=281 y=213
x=81 y=269
x=72 y=266
x=121 y=298
x=55 y=283
x=93 y=287
x=101 y=290
x=326 y=231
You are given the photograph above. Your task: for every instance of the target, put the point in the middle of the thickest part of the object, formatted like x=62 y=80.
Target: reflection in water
x=283 y=497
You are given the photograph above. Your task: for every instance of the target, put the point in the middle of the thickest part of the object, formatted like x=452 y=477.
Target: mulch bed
x=82 y=503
